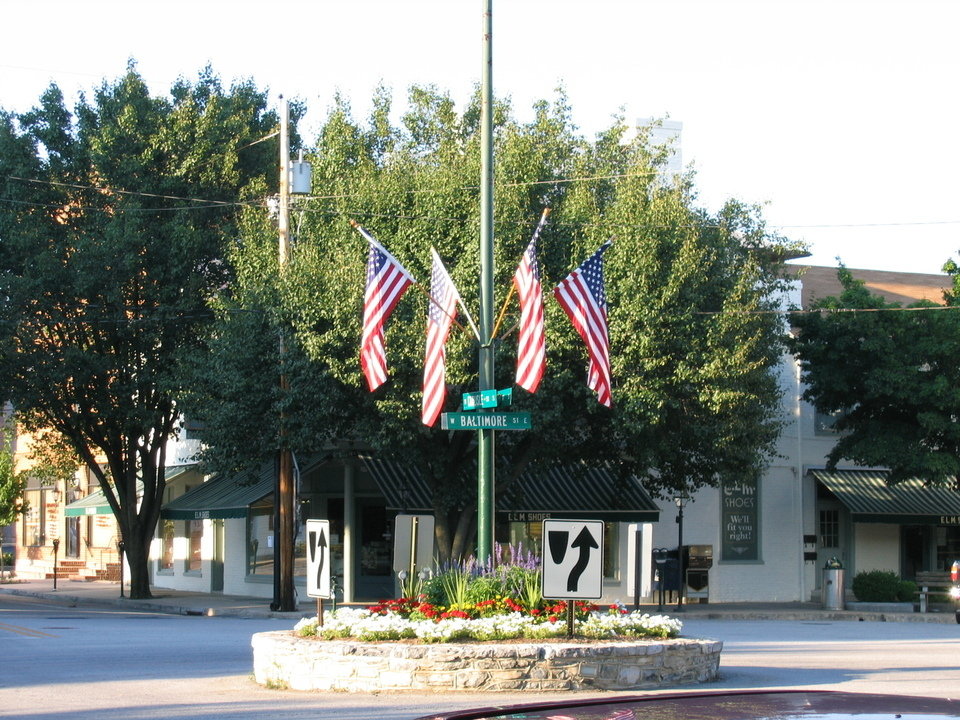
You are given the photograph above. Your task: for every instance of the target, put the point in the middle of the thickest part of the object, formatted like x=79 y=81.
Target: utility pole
x=283 y=591
x=486 y=438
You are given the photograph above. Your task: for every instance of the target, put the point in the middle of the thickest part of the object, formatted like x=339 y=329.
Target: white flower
x=362 y=624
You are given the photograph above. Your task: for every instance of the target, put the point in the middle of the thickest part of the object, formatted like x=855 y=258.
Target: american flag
x=583 y=298
x=387 y=280
x=531 y=348
x=440 y=315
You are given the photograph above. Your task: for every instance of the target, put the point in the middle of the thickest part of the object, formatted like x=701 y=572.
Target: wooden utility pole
x=283 y=556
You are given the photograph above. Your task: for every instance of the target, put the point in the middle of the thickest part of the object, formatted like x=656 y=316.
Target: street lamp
x=680 y=501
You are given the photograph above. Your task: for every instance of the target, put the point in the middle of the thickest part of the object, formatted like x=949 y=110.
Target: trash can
x=833 y=588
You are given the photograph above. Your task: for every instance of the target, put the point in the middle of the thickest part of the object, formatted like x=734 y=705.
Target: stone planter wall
x=281 y=659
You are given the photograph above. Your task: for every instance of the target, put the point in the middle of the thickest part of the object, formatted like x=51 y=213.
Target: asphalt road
x=83 y=663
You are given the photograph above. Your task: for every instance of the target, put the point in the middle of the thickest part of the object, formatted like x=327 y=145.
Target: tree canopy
x=112 y=225
x=692 y=343
x=890 y=375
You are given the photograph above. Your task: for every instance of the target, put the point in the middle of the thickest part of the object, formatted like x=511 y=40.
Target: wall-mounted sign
x=740 y=521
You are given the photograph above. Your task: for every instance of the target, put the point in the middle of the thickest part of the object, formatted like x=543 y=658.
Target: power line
x=207 y=203
x=117 y=191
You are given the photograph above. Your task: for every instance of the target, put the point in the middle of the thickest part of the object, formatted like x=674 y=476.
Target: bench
x=932 y=582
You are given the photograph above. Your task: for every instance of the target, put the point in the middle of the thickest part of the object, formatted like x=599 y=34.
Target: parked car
x=749 y=705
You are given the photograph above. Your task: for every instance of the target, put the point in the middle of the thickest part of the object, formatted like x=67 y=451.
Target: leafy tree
x=891 y=375
x=112 y=224
x=693 y=345
x=12 y=484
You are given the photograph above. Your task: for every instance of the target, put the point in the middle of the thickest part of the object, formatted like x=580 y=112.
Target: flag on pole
x=387 y=280
x=440 y=315
x=531 y=347
x=583 y=298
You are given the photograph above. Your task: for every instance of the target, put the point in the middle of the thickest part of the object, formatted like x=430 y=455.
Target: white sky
x=841 y=115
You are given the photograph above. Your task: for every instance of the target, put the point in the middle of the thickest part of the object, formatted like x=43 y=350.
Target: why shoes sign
x=572 y=559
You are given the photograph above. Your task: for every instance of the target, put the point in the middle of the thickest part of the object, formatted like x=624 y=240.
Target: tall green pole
x=486 y=439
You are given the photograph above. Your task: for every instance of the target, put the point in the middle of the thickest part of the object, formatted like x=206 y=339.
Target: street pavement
x=766 y=645
x=180 y=602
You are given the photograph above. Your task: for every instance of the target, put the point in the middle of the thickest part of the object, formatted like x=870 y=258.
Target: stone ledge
x=880 y=607
x=281 y=659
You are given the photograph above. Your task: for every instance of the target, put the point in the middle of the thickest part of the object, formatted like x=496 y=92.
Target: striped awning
x=570 y=491
x=96 y=502
x=868 y=497
x=224 y=496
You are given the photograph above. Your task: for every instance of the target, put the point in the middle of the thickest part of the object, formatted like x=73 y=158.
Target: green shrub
x=907 y=591
x=877 y=586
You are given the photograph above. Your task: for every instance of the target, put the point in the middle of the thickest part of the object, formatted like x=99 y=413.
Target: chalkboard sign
x=740 y=521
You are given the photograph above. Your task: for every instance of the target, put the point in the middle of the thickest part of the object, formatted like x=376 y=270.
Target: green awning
x=867 y=496
x=225 y=496
x=563 y=492
x=96 y=502
x=93 y=504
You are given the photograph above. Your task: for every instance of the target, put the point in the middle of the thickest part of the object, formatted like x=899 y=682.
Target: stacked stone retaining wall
x=281 y=659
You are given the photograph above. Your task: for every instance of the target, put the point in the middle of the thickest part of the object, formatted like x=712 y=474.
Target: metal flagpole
x=486 y=438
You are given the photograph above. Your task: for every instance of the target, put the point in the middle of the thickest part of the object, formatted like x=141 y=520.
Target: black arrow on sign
x=586 y=543
x=316 y=543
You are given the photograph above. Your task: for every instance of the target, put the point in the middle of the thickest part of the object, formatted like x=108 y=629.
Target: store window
x=829 y=528
x=824 y=423
x=260 y=538
x=35 y=520
x=948 y=546
x=195 y=535
x=528 y=537
x=165 y=562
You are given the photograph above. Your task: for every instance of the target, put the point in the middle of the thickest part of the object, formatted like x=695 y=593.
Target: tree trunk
x=136 y=548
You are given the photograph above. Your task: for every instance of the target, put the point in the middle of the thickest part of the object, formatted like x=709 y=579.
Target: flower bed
x=376 y=624
x=481 y=629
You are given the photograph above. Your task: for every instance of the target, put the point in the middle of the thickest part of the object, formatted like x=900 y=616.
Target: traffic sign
x=485 y=421
x=572 y=559
x=318 y=558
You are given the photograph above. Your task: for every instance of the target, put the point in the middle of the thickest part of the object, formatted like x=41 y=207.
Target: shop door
x=216 y=565
x=830 y=536
x=373 y=562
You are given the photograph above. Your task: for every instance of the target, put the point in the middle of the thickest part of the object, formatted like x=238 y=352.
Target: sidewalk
x=179 y=602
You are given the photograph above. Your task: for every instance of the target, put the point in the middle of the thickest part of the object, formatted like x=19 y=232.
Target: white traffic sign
x=572 y=559
x=318 y=558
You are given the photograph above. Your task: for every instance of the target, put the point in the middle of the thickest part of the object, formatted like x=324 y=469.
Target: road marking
x=26 y=632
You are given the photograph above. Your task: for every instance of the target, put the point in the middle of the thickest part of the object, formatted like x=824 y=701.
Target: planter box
x=284 y=660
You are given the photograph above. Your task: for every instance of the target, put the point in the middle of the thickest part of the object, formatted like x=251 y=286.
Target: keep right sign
x=572 y=559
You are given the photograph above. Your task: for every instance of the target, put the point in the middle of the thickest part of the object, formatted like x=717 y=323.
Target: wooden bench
x=932 y=582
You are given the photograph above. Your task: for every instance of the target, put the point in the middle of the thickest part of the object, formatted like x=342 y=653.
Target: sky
x=840 y=117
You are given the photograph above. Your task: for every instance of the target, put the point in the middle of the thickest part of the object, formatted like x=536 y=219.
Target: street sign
x=485 y=421
x=487 y=399
x=572 y=559
x=318 y=558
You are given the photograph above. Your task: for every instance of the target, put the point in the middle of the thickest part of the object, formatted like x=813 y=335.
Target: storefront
x=870 y=525
x=220 y=536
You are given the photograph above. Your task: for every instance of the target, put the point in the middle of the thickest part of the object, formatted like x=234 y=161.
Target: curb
x=165 y=608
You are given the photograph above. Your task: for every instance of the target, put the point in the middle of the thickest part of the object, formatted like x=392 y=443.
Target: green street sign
x=485 y=421
x=487 y=399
